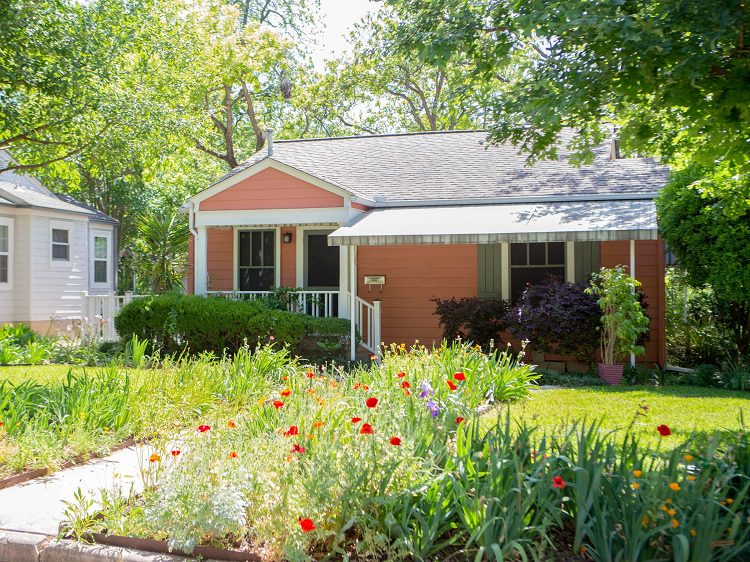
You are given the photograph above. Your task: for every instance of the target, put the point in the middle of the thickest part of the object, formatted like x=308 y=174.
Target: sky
x=338 y=16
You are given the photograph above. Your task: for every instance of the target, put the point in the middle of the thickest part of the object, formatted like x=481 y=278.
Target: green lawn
x=44 y=374
x=683 y=409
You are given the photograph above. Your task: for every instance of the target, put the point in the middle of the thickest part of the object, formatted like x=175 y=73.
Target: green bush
x=177 y=322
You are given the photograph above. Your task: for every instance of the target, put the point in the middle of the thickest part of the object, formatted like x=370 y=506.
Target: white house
x=52 y=248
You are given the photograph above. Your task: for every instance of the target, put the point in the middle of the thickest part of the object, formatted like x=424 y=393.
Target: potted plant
x=623 y=320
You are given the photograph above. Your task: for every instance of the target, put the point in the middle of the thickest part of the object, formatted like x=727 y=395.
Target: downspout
x=191 y=228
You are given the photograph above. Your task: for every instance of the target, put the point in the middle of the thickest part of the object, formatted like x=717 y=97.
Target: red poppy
x=459 y=419
x=357 y=385
x=451 y=385
x=286 y=392
x=395 y=441
x=459 y=376
x=278 y=404
x=310 y=375
x=373 y=357
x=366 y=429
x=407 y=393
x=283 y=378
x=405 y=384
x=204 y=428
x=1 y=423
x=232 y=424
x=401 y=375
x=306 y=524
x=232 y=455
x=558 y=482
x=293 y=430
x=356 y=420
x=297 y=449
x=664 y=431
x=371 y=402
x=175 y=452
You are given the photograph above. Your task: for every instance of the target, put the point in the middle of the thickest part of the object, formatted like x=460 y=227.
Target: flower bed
x=394 y=463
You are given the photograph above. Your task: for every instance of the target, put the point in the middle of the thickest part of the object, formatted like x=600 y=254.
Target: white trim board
x=336 y=216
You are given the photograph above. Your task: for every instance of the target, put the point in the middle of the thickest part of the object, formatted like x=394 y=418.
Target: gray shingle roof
x=97 y=215
x=457 y=165
x=21 y=195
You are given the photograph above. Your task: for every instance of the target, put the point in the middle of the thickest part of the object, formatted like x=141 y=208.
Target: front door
x=322 y=265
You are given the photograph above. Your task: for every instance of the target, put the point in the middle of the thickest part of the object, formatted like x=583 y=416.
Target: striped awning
x=580 y=221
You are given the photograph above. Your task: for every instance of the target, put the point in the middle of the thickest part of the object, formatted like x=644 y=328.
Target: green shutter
x=489 y=271
x=587 y=260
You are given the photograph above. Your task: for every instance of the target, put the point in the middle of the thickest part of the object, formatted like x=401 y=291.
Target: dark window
x=257 y=255
x=3 y=268
x=322 y=262
x=60 y=245
x=532 y=263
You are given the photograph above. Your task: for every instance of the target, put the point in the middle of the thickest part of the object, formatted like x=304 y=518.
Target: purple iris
x=426 y=389
x=433 y=407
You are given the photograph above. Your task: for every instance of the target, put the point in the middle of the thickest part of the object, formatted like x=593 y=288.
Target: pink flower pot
x=611 y=374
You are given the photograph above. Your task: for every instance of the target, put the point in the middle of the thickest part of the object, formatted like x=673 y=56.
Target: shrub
x=176 y=322
x=558 y=318
x=472 y=318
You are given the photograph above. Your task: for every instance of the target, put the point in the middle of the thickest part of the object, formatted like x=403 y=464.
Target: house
x=53 y=248
x=373 y=227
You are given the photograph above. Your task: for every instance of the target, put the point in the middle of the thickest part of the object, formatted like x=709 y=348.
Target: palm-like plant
x=164 y=241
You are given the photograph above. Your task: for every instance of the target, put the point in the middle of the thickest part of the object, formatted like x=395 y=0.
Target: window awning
x=580 y=221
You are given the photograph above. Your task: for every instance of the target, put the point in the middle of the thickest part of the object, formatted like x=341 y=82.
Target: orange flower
x=316 y=425
x=232 y=455
x=309 y=435
x=645 y=520
x=311 y=391
x=333 y=384
x=320 y=401
x=232 y=424
x=675 y=486
x=675 y=523
x=637 y=473
x=286 y=392
x=373 y=357
x=407 y=393
x=310 y=375
x=154 y=458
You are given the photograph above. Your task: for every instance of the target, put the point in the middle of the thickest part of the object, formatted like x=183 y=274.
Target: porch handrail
x=314 y=302
x=98 y=313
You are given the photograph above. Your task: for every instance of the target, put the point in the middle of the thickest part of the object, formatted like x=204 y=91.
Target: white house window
x=6 y=252
x=101 y=259
x=257 y=257
x=531 y=263
x=60 y=244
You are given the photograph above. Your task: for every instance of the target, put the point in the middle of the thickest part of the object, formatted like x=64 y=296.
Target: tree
x=164 y=250
x=674 y=75
x=711 y=246
x=381 y=90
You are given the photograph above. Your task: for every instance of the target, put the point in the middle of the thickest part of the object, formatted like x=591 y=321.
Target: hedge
x=176 y=322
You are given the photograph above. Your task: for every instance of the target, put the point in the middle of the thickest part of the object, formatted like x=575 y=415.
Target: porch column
x=632 y=274
x=201 y=262
x=352 y=250
x=344 y=300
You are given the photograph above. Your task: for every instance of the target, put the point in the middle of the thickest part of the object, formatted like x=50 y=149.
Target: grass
x=43 y=374
x=683 y=409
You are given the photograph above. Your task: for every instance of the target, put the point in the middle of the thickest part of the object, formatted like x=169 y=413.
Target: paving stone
x=16 y=546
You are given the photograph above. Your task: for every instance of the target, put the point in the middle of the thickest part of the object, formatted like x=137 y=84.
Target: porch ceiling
x=579 y=221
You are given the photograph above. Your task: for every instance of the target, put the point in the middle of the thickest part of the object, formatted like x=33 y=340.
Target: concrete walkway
x=37 y=505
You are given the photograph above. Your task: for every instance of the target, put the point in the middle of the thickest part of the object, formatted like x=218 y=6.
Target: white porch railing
x=367 y=318
x=323 y=304
x=98 y=314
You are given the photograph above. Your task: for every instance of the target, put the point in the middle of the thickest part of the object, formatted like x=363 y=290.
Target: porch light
x=287 y=237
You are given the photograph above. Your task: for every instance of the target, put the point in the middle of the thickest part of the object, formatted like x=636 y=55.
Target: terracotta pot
x=611 y=374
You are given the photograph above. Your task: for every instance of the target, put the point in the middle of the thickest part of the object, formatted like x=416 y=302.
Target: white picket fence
x=323 y=304
x=98 y=314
